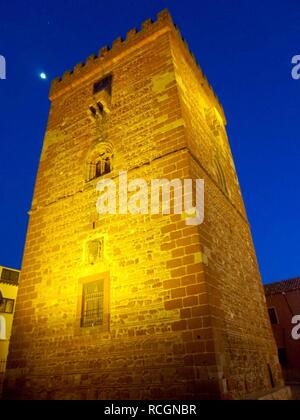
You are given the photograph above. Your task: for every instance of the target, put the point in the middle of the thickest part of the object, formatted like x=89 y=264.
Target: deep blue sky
x=245 y=48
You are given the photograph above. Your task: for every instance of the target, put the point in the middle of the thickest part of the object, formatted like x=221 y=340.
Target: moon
x=43 y=76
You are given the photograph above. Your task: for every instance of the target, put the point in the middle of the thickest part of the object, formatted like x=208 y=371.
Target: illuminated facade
x=9 y=280
x=138 y=306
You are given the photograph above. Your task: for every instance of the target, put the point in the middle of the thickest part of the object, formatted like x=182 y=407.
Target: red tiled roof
x=282 y=286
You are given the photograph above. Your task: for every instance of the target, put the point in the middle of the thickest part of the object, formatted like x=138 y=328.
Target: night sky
x=245 y=48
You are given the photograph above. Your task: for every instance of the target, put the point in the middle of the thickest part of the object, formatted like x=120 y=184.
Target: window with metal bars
x=92 y=304
x=10 y=276
x=7 y=306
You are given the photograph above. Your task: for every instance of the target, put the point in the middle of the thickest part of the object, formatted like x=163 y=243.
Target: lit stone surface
x=186 y=304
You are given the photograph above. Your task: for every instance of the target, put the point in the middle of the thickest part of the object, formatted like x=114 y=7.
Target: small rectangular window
x=10 y=276
x=273 y=316
x=92 y=304
x=7 y=306
x=103 y=84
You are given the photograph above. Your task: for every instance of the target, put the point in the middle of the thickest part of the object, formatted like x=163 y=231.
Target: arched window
x=2 y=328
x=220 y=176
x=103 y=165
x=100 y=162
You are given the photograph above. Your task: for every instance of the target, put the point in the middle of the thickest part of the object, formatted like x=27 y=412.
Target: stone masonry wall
x=244 y=340
x=187 y=317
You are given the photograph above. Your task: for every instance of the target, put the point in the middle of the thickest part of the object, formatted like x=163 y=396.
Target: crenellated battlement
x=133 y=36
x=149 y=28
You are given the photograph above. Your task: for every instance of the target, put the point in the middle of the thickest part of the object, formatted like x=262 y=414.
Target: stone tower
x=138 y=306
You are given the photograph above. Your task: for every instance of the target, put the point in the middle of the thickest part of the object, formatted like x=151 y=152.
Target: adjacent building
x=283 y=300
x=9 y=280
